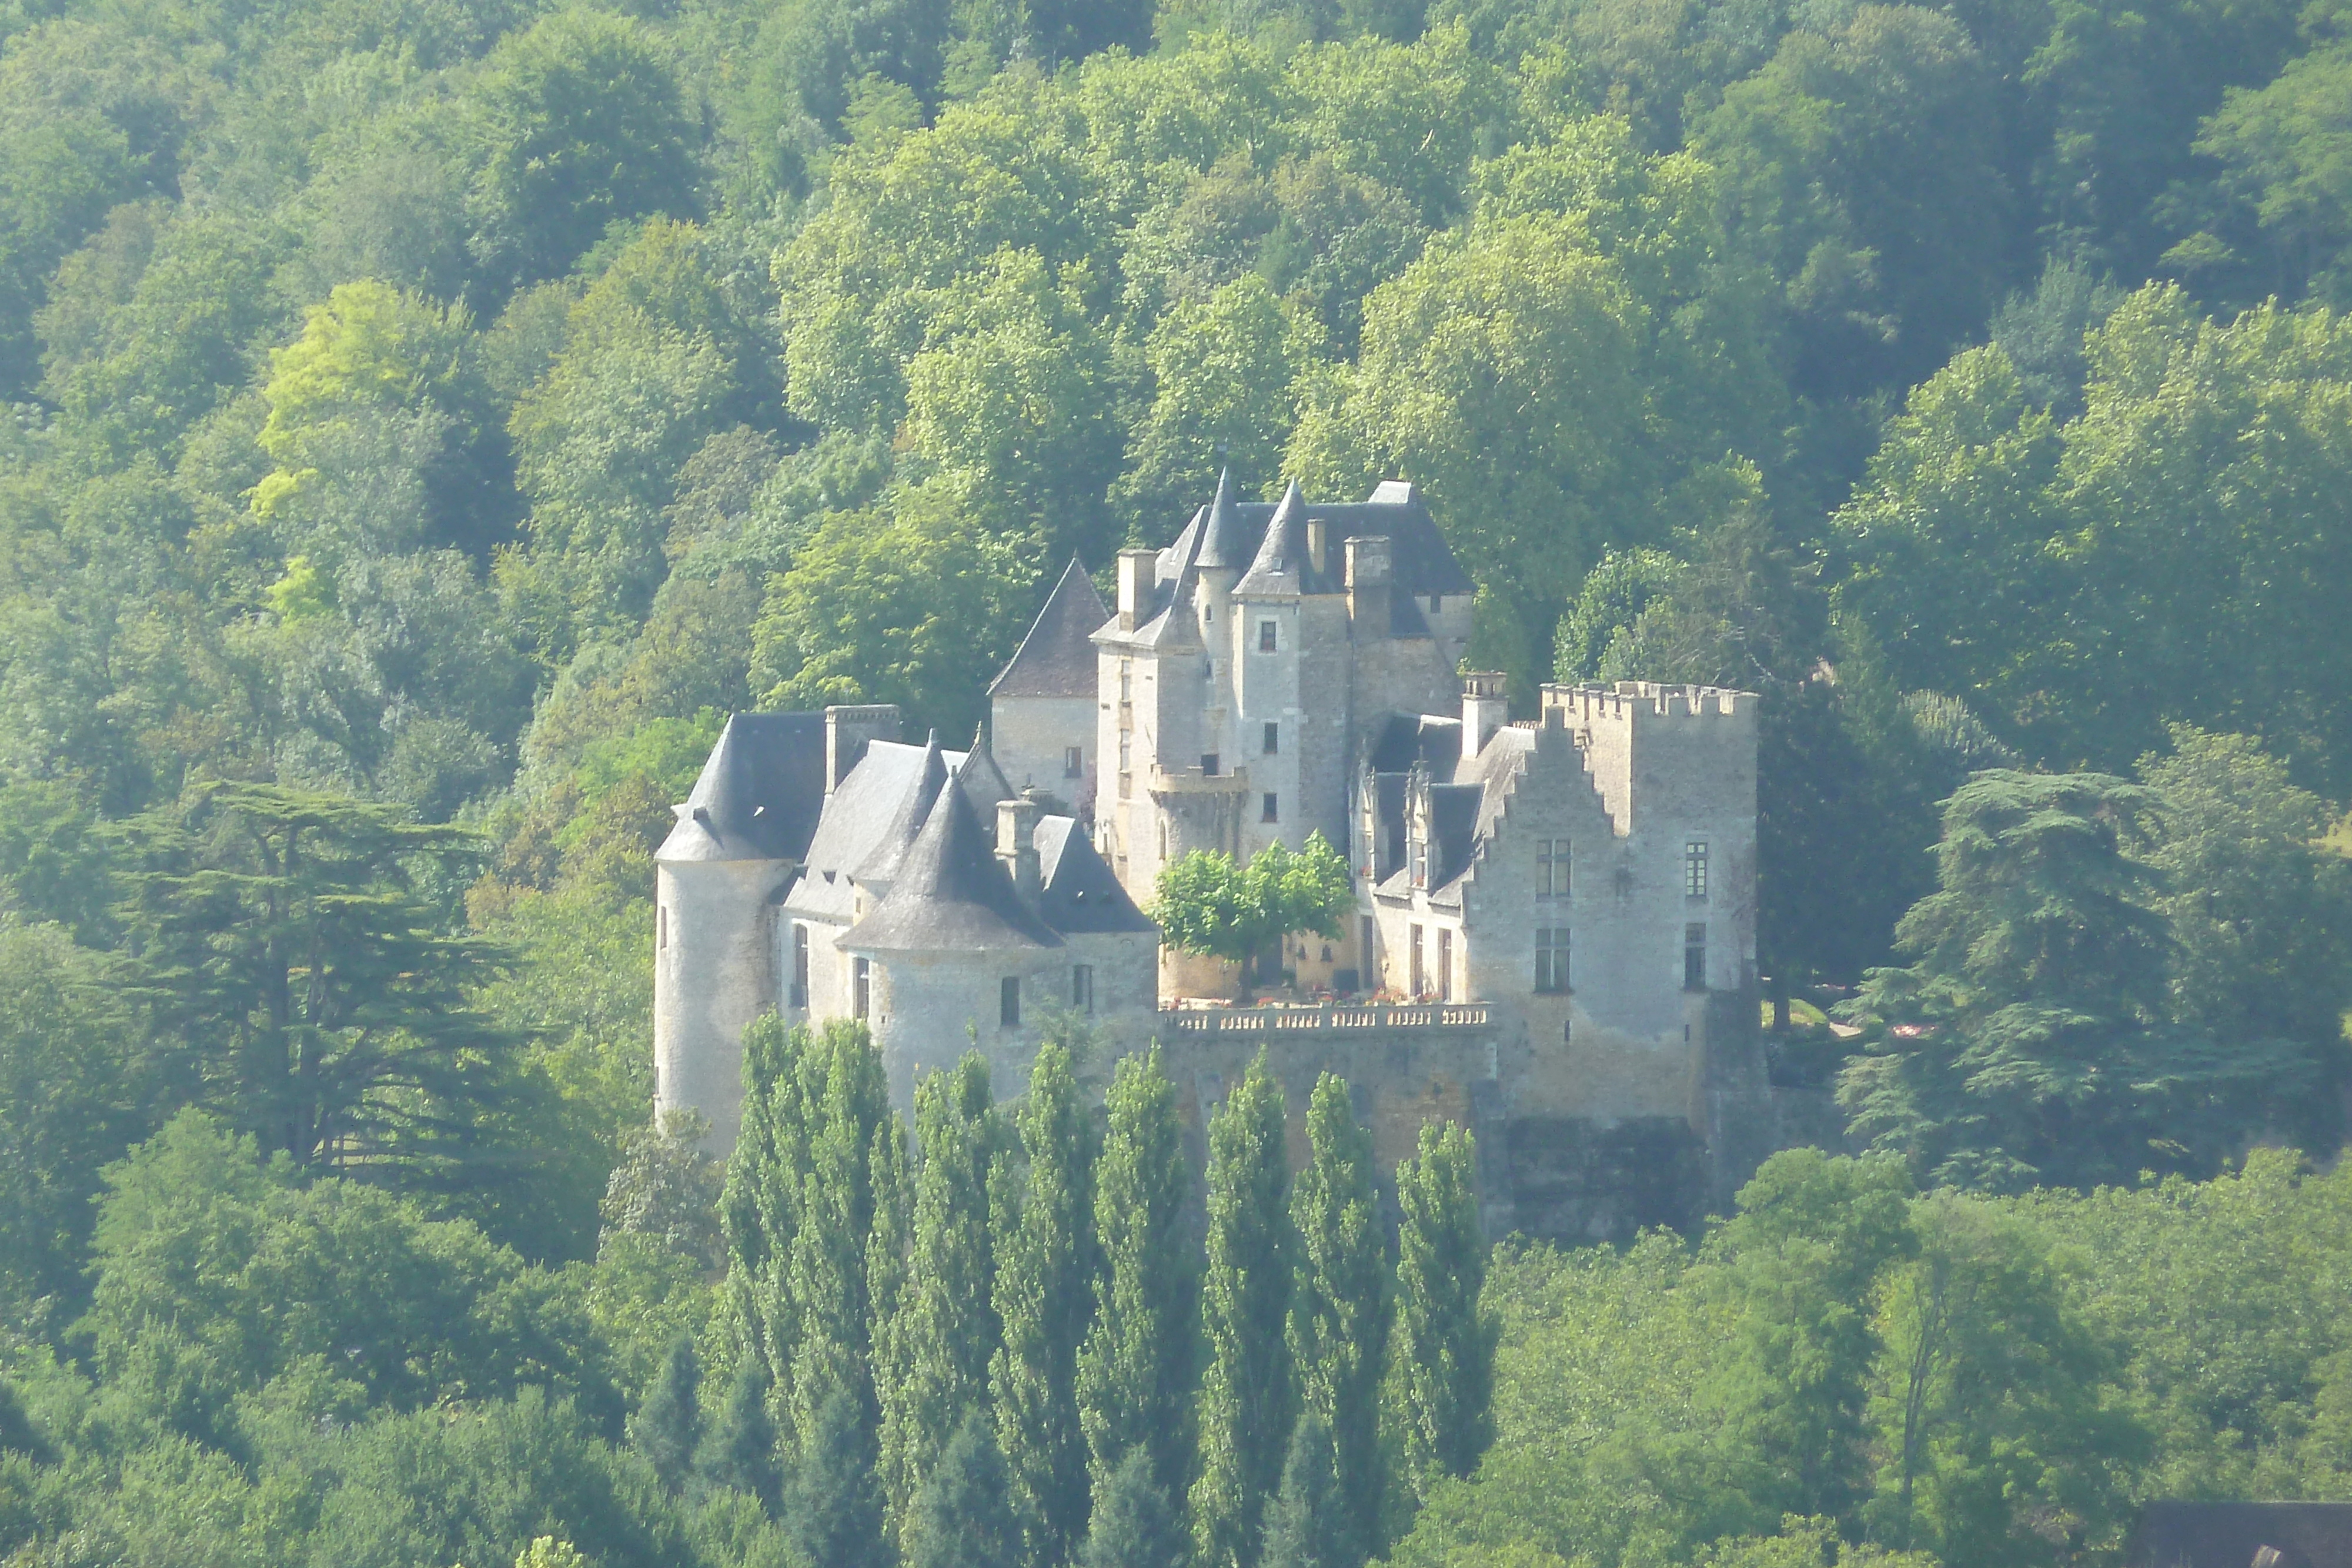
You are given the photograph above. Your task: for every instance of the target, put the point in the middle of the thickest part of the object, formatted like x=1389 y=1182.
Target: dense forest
x=428 y=419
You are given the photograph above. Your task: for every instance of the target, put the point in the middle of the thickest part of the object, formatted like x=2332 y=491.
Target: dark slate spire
x=1222 y=543
x=906 y=822
x=1282 y=566
x=1057 y=658
x=952 y=894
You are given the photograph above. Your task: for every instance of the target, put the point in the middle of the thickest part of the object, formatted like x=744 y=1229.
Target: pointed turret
x=1283 y=565
x=1056 y=659
x=1223 y=541
x=882 y=866
x=952 y=894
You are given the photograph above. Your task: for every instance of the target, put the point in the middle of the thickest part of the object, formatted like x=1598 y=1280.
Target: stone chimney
x=1318 y=545
x=846 y=732
x=1016 y=842
x=1485 y=709
x=1136 y=570
x=1368 y=585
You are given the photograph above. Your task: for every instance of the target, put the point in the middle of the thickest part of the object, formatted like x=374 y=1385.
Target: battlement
x=1634 y=701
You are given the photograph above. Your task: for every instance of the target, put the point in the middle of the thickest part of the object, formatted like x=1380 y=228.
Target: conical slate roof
x=1057 y=658
x=1282 y=566
x=906 y=825
x=759 y=795
x=1223 y=541
x=951 y=894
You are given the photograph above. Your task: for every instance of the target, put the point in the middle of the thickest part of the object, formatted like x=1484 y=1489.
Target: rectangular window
x=1008 y=1002
x=1126 y=751
x=1073 y=762
x=1082 y=987
x=661 y=919
x=1273 y=738
x=800 y=966
x=1551 y=868
x=1551 y=959
x=1268 y=637
x=1366 y=959
x=1269 y=814
x=1415 y=948
x=1437 y=604
x=1126 y=681
x=1694 y=868
x=861 y=986
x=1444 y=965
x=1209 y=763
x=1694 y=956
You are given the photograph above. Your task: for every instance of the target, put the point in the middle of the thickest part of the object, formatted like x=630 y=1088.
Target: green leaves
x=1205 y=904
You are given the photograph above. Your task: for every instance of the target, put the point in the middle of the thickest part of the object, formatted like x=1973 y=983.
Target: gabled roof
x=953 y=895
x=1078 y=893
x=759 y=792
x=1057 y=658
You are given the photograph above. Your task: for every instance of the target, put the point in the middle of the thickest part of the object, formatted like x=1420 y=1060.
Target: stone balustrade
x=1331 y=1017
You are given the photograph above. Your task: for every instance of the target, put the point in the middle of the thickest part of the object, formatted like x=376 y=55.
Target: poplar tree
x=1339 y=1313
x=1245 y=1397
x=1136 y=1370
x=848 y=1100
x=1044 y=1295
x=1444 y=1360
x=887 y=1290
x=760 y=1207
x=951 y=1322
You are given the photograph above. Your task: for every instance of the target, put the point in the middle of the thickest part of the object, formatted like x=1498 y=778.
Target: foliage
x=1205 y=904
x=1247 y=1394
x=1443 y=1380
x=1338 y=1330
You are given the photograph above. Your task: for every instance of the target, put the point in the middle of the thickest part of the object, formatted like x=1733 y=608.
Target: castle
x=1554 y=933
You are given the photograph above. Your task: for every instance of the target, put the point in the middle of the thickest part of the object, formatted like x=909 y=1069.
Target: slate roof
x=759 y=793
x=1224 y=542
x=952 y=894
x=2233 y=1534
x=1057 y=658
x=1430 y=739
x=1283 y=565
x=1078 y=893
x=1421 y=561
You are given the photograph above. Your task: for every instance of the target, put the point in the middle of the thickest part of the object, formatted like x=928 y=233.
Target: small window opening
x=1082 y=987
x=1694 y=868
x=1209 y=763
x=1444 y=965
x=1551 y=868
x=1273 y=746
x=1073 y=762
x=1008 y=1002
x=861 y=987
x=1269 y=636
x=1694 y=956
x=1269 y=814
x=800 y=966
x=1551 y=959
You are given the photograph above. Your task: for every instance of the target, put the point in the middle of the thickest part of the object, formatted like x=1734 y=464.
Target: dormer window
x=1419 y=861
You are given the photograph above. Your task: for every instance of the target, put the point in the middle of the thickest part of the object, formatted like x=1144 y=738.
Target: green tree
x=320 y=999
x=739 y=1449
x=1811 y=1237
x=1444 y=1354
x=761 y=1207
x=951 y=1329
x=1204 y=904
x=1247 y=1394
x=1339 y=1328
x=962 y=1518
x=889 y=1293
x=2027 y=1041
x=1136 y=1370
x=833 y=1509
x=2256 y=906
x=848 y=1106
x=912 y=602
x=580 y=121
x=1046 y=1266
x=76 y=1081
x=1307 y=1521
x=1132 y=1525
x=668 y=1426
x=2002 y=1435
